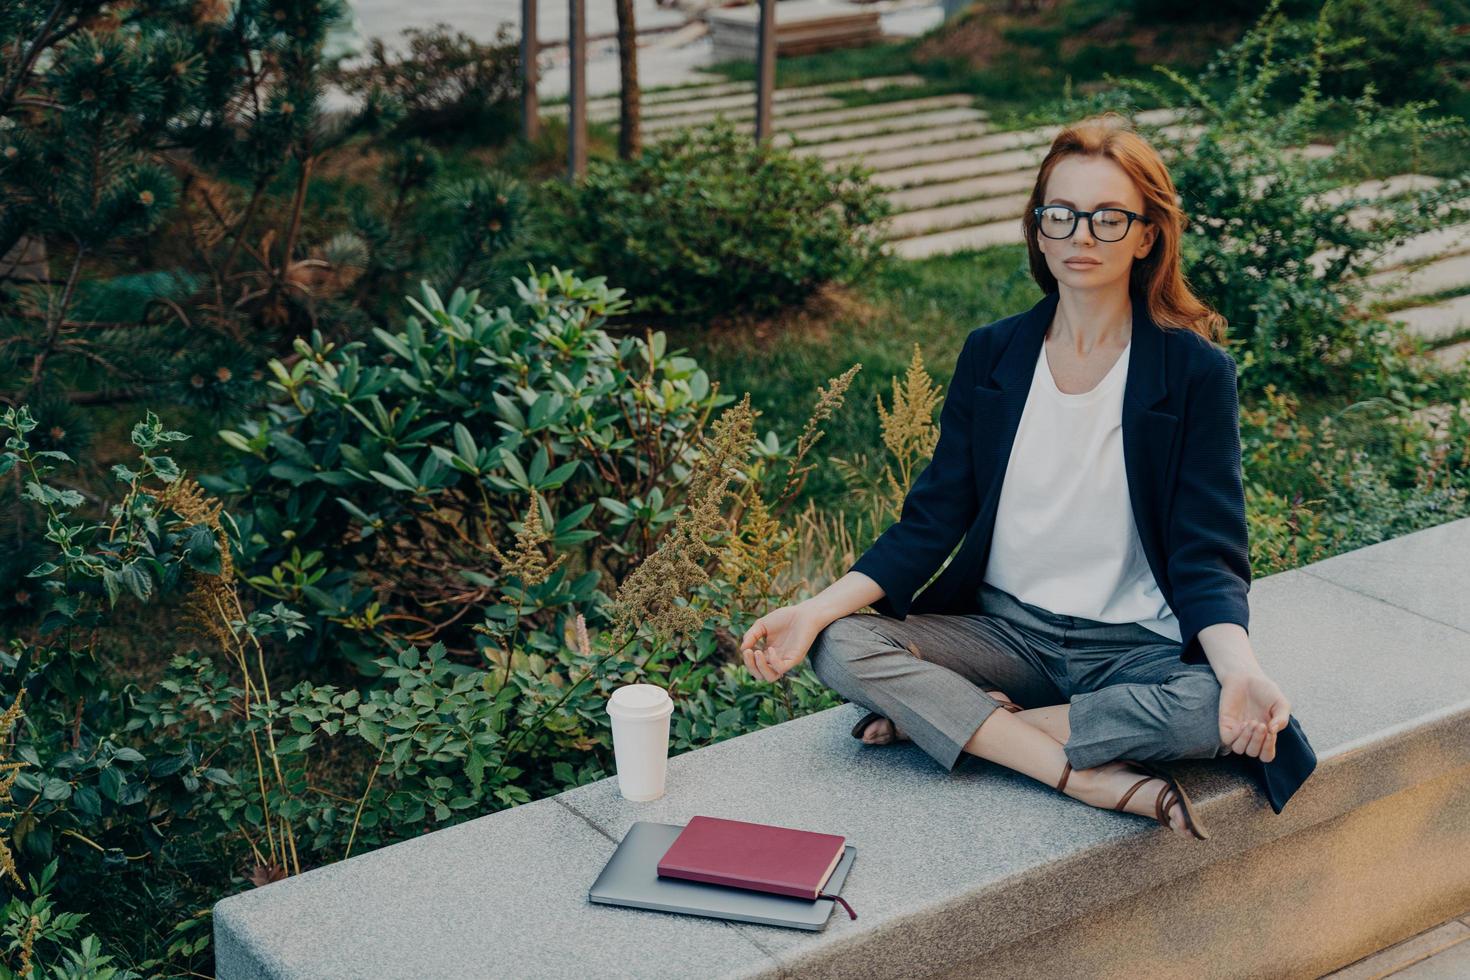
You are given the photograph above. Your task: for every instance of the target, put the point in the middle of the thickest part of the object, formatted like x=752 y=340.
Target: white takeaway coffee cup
x=640 y=728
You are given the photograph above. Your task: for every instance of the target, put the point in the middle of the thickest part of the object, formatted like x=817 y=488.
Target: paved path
x=1441 y=953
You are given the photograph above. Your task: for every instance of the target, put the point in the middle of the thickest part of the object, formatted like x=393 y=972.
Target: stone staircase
x=957 y=184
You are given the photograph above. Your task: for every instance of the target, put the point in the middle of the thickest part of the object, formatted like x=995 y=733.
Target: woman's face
x=1088 y=183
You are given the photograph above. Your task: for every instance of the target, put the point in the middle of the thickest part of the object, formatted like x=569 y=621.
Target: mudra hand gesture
x=1252 y=710
x=788 y=632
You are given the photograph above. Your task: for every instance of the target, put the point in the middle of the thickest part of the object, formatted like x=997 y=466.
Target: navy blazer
x=1181 y=453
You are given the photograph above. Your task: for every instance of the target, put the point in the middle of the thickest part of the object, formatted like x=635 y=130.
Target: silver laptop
x=631 y=878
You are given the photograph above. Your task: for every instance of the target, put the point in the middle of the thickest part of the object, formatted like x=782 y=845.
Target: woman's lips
x=1082 y=263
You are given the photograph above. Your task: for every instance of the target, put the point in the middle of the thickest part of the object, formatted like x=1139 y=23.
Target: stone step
x=1376 y=189
x=959 y=191
x=988 y=235
x=1442 y=275
x=889 y=124
x=987 y=209
x=603 y=109
x=853 y=151
x=693 y=89
x=945 y=202
x=663 y=124
x=948 y=150
x=900 y=152
x=796 y=125
x=660 y=98
x=794 y=120
x=1438 y=417
x=1430 y=244
x=1450 y=240
x=952 y=171
x=1437 y=320
x=1453 y=354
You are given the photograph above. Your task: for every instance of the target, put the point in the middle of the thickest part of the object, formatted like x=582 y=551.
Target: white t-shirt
x=1064 y=538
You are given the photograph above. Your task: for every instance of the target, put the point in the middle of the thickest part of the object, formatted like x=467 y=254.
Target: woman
x=1089 y=454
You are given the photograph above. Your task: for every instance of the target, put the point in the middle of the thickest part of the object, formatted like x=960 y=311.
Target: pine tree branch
x=54 y=329
x=28 y=60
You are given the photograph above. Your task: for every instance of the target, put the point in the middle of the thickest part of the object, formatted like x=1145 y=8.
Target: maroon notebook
x=758 y=856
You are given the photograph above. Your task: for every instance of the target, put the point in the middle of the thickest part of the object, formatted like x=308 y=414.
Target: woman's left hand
x=1252 y=711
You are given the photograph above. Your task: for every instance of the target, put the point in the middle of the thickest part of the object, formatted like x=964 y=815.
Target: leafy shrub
x=214 y=773
x=1323 y=482
x=1403 y=47
x=449 y=85
x=706 y=222
x=383 y=485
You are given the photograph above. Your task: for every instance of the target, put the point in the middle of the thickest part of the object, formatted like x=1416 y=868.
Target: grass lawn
x=934 y=303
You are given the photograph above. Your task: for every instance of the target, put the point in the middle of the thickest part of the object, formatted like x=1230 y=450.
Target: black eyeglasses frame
x=1078 y=215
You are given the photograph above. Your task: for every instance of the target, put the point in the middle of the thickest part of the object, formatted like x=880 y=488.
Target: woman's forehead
x=1087 y=181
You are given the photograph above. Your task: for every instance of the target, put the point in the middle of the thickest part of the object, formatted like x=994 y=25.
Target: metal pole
x=765 y=75
x=530 y=73
x=577 y=99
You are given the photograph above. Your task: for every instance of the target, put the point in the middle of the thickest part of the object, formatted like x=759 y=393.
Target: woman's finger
x=766 y=672
x=1242 y=739
x=1268 y=749
x=758 y=628
x=1258 y=737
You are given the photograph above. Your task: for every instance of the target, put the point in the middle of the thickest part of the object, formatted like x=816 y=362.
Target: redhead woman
x=1089 y=458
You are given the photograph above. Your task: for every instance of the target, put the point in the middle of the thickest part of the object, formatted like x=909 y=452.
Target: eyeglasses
x=1106 y=224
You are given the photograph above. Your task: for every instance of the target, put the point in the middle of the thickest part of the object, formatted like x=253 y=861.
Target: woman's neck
x=1087 y=319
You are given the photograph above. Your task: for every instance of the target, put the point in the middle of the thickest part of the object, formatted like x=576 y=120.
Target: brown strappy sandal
x=872 y=716
x=1161 y=808
x=1175 y=794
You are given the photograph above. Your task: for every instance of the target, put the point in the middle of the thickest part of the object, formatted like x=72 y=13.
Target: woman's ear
x=1146 y=243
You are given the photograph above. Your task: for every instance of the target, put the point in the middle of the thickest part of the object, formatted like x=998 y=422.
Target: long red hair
x=1158 y=276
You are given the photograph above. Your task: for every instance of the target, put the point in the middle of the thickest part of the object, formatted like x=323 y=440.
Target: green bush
x=706 y=222
x=1403 y=47
x=450 y=86
x=379 y=490
x=159 y=787
x=1406 y=51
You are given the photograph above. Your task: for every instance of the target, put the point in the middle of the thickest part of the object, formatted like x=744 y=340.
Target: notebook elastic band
x=839 y=898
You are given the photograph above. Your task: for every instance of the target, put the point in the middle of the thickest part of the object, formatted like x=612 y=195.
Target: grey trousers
x=1130 y=695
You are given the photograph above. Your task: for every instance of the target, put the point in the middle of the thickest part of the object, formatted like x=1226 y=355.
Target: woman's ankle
x=1085 y=785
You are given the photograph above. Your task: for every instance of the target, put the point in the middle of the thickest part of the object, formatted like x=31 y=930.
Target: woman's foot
x=882 y=731
x=1103 y=786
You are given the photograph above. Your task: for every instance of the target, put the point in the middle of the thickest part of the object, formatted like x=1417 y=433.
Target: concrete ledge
x=1372 y=646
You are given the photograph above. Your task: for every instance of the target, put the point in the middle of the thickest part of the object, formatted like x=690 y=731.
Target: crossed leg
x=930 y=676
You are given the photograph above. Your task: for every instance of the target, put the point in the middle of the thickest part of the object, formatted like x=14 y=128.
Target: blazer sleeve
x=938 y=508
x=1209 y=551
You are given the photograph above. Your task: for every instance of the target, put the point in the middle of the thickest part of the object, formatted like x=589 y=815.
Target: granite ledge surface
x=1372 y=646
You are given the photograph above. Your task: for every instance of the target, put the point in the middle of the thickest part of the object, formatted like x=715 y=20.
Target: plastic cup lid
x=633 y=700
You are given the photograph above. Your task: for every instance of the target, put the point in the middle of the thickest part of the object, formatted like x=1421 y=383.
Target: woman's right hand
x=788 y=632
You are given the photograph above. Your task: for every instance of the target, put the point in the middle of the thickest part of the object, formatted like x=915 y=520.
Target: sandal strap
x=1160 y=810
x=1066 y=773
x=1131 y=790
